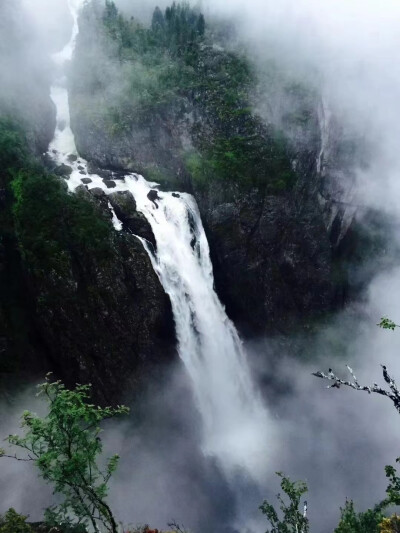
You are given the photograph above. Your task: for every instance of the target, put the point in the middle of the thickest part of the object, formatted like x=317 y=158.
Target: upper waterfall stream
x=235 y=422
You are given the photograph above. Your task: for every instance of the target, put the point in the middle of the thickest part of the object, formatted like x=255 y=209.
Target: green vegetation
x=44 y=231
x=390 y=524
x=49 y=224
x=65 y=445
x=353 y=522
x=53 y=226
x=386 y=323
x=12 y=522
x=370 y=521
x=293 y=520
x=171 y=71
x=12 y=147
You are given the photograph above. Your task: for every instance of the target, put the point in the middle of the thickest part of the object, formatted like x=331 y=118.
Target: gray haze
x=20 y=487
x=338 y=441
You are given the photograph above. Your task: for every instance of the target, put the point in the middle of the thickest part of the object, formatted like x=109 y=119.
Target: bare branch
x=393 y=394
x=29 y=458
x=176 y=527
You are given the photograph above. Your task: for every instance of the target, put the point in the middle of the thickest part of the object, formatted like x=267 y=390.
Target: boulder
x=124 y=205
x=110 y=184
x=63 y=170
x=154 y=197
x=97 y=192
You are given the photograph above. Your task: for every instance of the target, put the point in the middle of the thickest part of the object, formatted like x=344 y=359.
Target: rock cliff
x=76 y=298
x=274 y=192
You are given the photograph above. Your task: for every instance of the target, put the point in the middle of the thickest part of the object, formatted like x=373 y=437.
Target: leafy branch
x=65 y=446
x=293 y=520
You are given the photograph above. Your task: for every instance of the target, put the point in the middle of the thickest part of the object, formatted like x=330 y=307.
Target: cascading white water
x=236 y=428
x=235 y=422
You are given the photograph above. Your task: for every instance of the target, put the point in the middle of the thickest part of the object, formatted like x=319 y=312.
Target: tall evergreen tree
x=158 y=20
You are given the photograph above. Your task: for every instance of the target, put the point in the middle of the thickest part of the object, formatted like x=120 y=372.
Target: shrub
x=53 y=225
x=12 y=522
x=65 y=446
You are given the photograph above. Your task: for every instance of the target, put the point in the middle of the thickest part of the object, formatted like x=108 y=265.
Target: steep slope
x=174 y=103
x=75 y=297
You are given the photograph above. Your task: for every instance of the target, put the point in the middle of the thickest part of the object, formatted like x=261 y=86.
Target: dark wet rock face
x=271 y=173
x=110 y=184
x=105 y=320
x=114 y=323
x=63 y=170
x=98 y=193
x=277 y=258
x=154 y=197
x=273 y=236
x=272 y=259
x=124 y=205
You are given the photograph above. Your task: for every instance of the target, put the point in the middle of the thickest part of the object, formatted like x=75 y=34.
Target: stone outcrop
x=124 y=205
x=104 y=321
x=274 y=249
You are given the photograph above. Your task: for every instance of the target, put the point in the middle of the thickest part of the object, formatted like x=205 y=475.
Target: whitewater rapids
x=236 y=427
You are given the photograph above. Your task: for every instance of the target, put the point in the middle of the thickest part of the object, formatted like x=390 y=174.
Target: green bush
x=292 y=518
x=65 y=445
x=12 y=522
x=353 y=522
x=53 y=225
x=13 y=152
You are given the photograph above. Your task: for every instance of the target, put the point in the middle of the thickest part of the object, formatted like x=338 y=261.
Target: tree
x=390 y=525
x=110 y=11
x=12 y=522
x=293 y=520
x=158 y=20
x=201 y=25
x=353 y=522
x=65 y=445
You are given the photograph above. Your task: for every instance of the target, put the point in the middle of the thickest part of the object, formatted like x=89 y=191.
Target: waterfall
x=236 y=428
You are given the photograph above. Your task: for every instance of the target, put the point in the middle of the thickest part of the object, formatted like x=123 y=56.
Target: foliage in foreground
x=293 y=520
x=65 y=445
x=373 y=520
x=391 y=524
x=353 y=522
x=12 y=522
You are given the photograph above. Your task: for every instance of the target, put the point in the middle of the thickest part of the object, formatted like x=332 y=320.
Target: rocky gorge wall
x=87 y=310
x=275 y=201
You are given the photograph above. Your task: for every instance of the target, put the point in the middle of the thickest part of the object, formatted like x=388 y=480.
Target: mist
x=336 y=440
x=21 y=487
